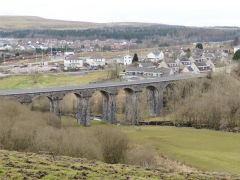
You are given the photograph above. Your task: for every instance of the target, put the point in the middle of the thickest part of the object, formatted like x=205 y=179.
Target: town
x=29 y=56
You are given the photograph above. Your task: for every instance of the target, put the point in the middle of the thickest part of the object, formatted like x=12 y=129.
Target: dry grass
x=24 y=130
x=143 y=156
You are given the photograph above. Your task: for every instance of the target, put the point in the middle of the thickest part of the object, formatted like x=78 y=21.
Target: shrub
x=71 y=142
x=25 y=130
x=114 y=144
x=213 y=103
x=236 y=56
x=19 y=125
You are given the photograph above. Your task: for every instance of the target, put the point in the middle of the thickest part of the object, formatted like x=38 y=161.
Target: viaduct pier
x=109 y=91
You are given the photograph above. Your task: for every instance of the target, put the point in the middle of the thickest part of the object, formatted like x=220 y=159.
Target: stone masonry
x=109 y=92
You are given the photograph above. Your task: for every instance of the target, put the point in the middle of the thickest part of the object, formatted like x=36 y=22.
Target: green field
x=203 y=149
x=47 y=81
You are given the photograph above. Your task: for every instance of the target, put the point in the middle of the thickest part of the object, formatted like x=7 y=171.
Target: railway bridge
x=109 y=92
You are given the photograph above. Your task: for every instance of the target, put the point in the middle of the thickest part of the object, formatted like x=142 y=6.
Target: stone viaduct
x=109 y=92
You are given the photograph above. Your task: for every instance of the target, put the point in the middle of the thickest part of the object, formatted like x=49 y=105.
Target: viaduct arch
x=109 y=91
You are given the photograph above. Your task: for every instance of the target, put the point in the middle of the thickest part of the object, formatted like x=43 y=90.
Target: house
x=118 y=60
x=6 y=47
x=203 y=67
x=186 y=70
x=166 y=71
x=163 y=64
x=193 y=69
x=152 y=72
x=96 y=60
x=73 y=62
x=127 y=60
x=155 y=56
x=174 y=65
x=149 y=72
x=185 y=62
x=68 y=53
x=236 y=48
x=209 y=56
x=211 y=65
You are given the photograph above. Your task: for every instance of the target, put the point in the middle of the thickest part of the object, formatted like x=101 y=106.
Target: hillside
x=156 y=34
x=15 y=165
x=32 y=22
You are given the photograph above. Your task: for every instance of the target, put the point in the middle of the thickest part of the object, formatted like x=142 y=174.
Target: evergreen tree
x=236 y=56
x=135 y=58
x=188 y=54
x=199 y=46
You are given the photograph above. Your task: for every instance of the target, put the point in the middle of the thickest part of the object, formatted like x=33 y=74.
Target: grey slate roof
x=190 y=68
x=145 y=70
x=200 y=64
x=184 y=60
x=72 y=58
x=156 y=53
x=147 y=65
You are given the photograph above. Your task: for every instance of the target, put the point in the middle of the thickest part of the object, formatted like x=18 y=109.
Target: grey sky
x=181 y=12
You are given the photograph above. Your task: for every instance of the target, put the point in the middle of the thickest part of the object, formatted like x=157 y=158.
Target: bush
x=114 y=144
x=25 y=130
x=212 y=103
x=71 y=142
x=236 y=56
x=19 y=125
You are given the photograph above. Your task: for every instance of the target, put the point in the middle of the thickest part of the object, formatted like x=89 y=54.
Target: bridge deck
x=99 y=85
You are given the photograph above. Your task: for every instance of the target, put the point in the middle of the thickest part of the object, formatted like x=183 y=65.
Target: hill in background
x=148 y=34
x=32 y=22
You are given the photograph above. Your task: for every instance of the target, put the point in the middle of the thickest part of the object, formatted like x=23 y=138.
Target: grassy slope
x=204 y=149
x=46 y=81
x=15 y=165
x=32 y=22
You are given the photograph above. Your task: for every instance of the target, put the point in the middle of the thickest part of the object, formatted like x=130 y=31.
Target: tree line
x=153 y=33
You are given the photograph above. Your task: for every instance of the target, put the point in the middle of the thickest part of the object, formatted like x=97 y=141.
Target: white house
x=96 y=61
x=155 y=56
x=6 y=47
x=174 y=65
x=236 y=48
x=68 y=53
x=203 y=67
x=127 y=60
x=185 y=62
x=73 y=62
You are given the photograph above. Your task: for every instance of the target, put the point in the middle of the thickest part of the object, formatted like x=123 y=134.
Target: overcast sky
x=176 y=12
